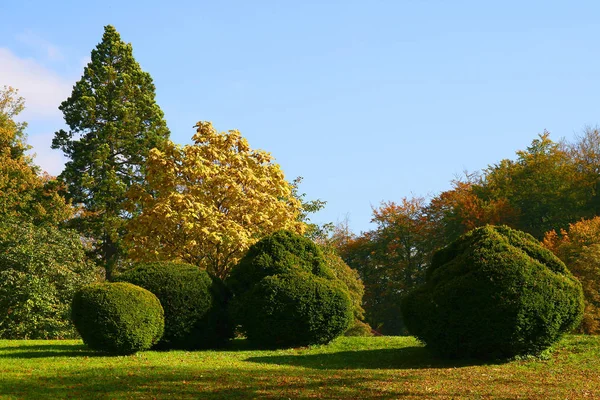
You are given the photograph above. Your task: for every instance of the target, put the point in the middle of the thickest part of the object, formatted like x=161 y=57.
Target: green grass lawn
x=353 y=368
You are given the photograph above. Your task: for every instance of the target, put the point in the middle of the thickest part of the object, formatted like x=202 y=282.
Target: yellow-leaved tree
x=206 y=203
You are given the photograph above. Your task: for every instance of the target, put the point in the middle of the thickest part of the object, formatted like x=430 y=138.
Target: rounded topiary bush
x=278 y=253
x=117 y=318
x=195 y=303
x=286 y=295
x=493 y=293
x=295 y=309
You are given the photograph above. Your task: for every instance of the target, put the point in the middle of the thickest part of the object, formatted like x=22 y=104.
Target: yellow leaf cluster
x=206 y=203
x=25 y=194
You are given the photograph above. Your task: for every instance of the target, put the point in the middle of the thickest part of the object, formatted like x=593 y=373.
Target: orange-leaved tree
x=206 y=203
x=579 y=248
x=391 y=259
x=460 y=209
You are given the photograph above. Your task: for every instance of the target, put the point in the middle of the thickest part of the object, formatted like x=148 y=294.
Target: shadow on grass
x=46 y=347
x=49 y=350
x=242 y=344
x=402 y=358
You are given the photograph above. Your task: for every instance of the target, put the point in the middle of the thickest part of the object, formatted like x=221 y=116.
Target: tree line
x=550 y=190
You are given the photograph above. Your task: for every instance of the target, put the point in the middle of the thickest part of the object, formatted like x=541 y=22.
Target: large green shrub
x=41 y=268
x=493 y=293
x=295 y=309
x=278 y=253
x=194 y=303
x=286 y=295
x=118 y=318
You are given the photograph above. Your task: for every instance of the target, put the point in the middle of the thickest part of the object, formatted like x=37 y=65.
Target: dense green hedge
x=286 y=295
x=295 y=309
x=41 y=268
x=195 y=303
x=493 y=293
x=117 y=317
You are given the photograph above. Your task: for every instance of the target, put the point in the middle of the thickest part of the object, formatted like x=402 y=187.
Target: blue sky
x=369 y=101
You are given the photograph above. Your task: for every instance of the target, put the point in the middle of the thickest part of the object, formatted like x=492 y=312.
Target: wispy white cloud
x=37 y=43
x=42 y=88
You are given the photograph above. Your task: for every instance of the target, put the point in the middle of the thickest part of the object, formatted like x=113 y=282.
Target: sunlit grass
x=382 y=367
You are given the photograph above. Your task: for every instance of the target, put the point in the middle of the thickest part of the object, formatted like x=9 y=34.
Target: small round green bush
x=195 y=303
x=493 y=293
x=295 y=309
x=118 y=318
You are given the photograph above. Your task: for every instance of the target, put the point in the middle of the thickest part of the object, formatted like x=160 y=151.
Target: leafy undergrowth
x=352 y=368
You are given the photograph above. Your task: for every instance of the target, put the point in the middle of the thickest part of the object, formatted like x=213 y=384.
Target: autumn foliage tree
x=391 y=259
x=114 y=122
x=585 y=152
x=206 y=203
x=26 y=194
x=548 y=186
x=579 y=248
x=543 y=186
x=461 y=209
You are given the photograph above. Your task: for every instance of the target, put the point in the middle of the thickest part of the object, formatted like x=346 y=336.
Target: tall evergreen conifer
x=113 y=122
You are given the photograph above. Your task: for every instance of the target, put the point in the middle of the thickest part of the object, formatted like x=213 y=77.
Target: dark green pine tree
x=114 y=122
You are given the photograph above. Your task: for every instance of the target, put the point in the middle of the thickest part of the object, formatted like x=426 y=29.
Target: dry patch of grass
x=349 y=368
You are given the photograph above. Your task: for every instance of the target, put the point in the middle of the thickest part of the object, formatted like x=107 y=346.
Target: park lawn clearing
x=348 y=368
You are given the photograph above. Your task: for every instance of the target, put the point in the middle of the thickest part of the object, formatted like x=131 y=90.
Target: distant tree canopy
x=545 y=187
x=114 y=122
x=548 y=187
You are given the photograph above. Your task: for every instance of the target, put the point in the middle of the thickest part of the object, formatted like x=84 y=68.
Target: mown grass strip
x=377 y=368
